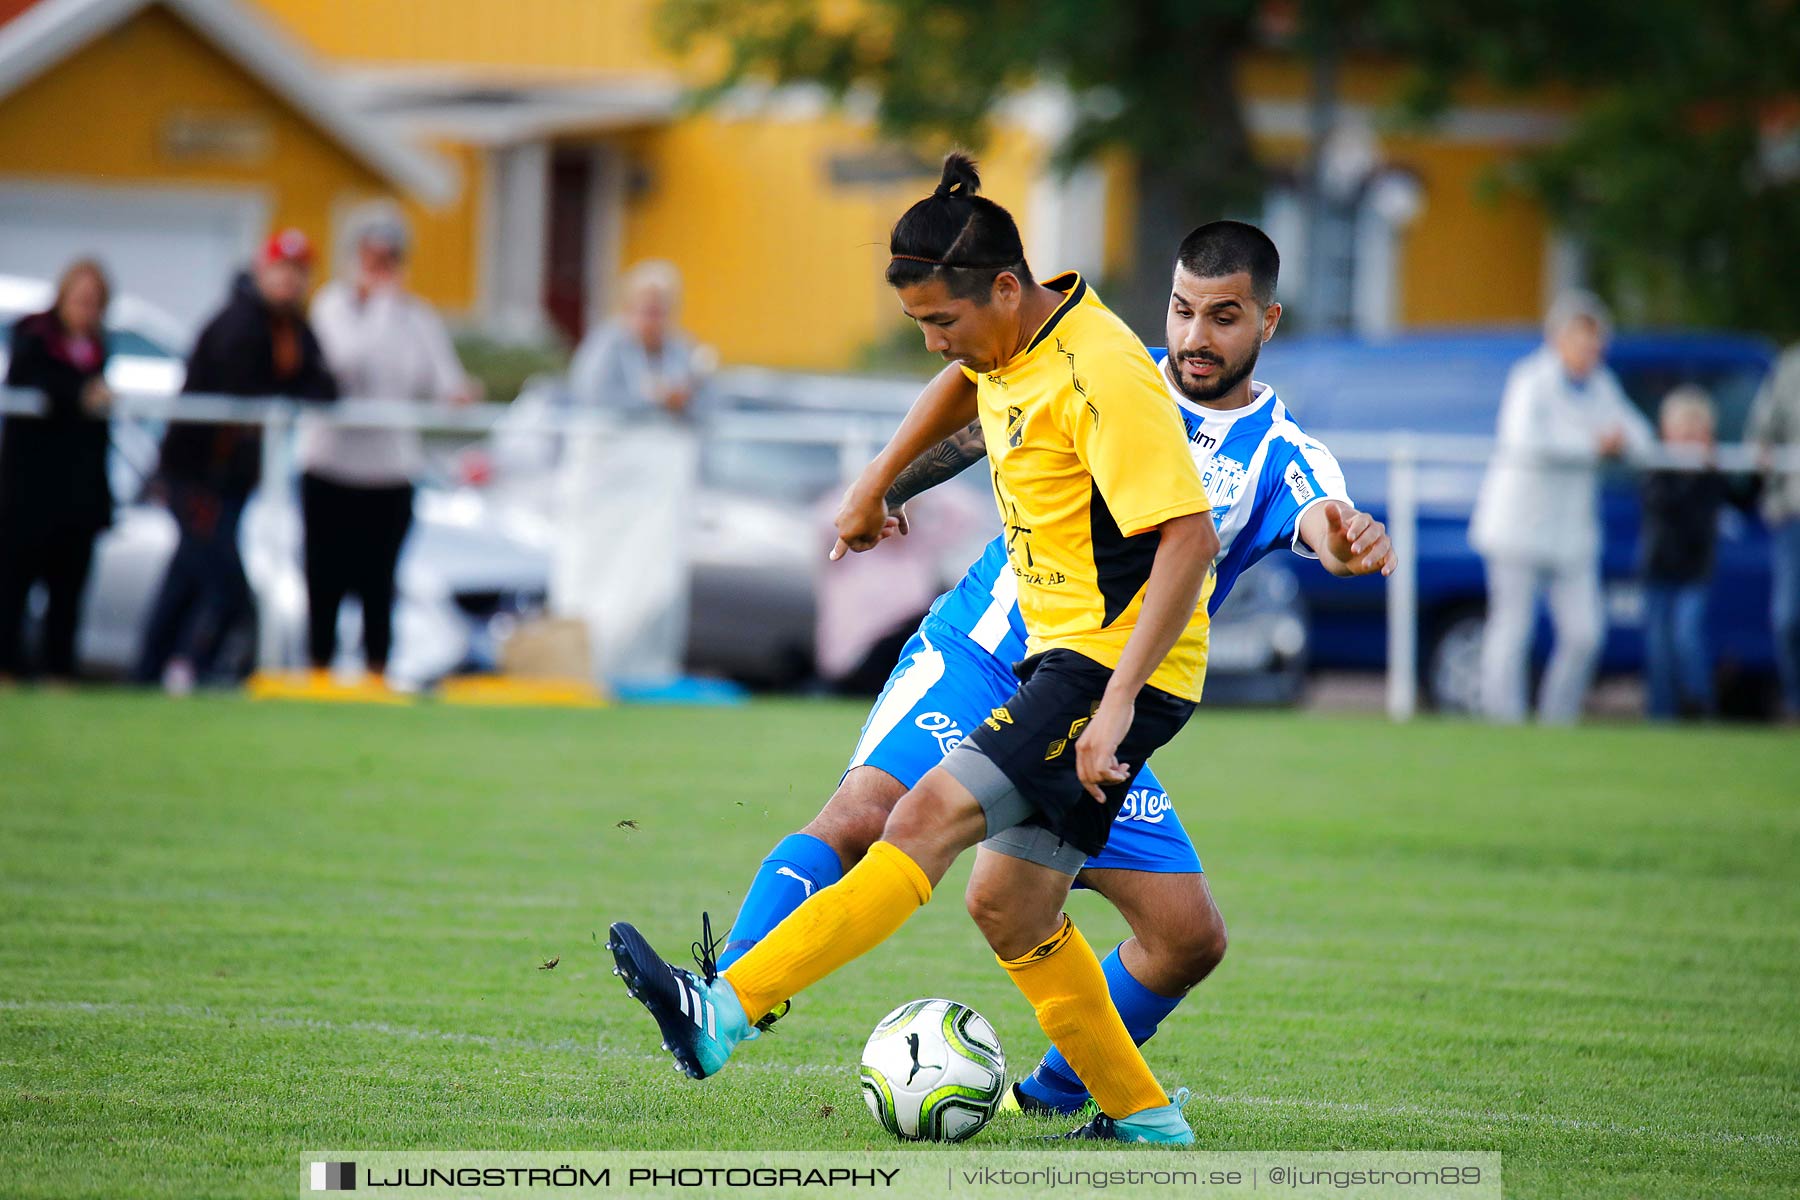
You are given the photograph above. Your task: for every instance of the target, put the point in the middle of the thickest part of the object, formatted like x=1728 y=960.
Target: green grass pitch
x=230 y=932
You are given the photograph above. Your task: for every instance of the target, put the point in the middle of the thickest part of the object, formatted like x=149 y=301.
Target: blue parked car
x=1451 y=384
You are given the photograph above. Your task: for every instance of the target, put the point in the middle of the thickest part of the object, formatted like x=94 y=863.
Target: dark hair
x=959 y=237
x=1227 y=247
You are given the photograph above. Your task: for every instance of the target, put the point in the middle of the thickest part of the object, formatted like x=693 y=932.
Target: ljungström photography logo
x=334 y=1177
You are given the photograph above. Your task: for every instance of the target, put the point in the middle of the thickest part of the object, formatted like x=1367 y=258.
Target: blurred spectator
x=1536 y=521
x=356 y=486
x=640 y=363
x=622 y=554
x=1775 y=426
x=259 y=344
x=1681 y=530
x=54 y=497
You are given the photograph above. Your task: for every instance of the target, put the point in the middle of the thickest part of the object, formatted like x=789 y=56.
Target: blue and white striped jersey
x=1261 y=471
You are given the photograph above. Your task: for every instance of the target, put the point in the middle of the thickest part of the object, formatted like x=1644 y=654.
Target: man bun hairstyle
x=1227 y=247
x=957 y=235
x=960 y=178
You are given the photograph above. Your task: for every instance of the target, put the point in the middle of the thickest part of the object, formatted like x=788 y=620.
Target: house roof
x=49 y=31
x=12 y=8
x=485 y=108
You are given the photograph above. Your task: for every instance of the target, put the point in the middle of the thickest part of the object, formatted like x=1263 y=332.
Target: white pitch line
x=573 y=1046
x=1573 y=1124
x=381 y=1028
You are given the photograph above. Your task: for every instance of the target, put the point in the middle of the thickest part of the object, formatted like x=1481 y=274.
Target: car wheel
x=1453 y=663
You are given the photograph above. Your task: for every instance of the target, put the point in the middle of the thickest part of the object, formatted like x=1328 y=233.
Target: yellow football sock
x=1066 y=986
x=838 y=924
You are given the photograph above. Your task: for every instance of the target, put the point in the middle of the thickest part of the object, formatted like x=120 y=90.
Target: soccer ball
x=933 y=1071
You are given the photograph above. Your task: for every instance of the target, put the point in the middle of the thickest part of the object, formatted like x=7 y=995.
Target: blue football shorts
x=943 y=687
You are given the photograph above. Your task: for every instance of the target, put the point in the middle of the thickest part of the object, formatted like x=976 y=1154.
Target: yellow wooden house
x=168 y=138
x=541 y=146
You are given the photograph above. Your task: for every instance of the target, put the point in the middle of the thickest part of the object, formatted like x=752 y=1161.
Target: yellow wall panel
x=104 y=112
x=783 y=266
x=1468 y=259
x=1121 y=213
x=518 y=35
x=447 y=239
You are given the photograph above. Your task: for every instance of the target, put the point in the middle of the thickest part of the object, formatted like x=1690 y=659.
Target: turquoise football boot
x=700 y=1018
x=1163 y=1125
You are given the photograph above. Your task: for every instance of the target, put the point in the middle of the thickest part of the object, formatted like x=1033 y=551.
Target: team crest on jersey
x=1224 y=479
x=1015 y=426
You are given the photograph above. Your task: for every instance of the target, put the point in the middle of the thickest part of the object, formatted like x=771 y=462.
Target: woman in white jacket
x=383 y=344
x=1537 y=520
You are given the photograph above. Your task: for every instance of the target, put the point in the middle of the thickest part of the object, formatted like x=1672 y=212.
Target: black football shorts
x=1020 y=761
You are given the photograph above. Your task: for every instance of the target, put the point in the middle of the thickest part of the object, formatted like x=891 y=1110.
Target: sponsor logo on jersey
x=1298 y=483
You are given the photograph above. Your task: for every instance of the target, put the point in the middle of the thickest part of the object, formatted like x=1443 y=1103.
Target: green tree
x=1681 y=169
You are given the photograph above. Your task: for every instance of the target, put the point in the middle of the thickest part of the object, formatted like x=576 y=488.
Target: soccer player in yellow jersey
x=1109 y=533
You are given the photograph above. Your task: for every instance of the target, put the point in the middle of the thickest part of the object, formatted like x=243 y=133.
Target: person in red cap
x=258 y=345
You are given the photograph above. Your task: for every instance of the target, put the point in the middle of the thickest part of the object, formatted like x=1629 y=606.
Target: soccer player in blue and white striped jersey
x=1271 y=487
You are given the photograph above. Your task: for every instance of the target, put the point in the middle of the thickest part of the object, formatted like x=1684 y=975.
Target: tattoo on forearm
x=946 y=460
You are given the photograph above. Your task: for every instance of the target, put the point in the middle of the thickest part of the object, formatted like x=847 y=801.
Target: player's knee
x=851 y=822
x=986 y=908
x=1206 y=950
x=934 y=823
x=1190 y=950
x=996 y=914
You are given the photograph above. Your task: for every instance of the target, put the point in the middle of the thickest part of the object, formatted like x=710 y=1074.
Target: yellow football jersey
x=1089 y=458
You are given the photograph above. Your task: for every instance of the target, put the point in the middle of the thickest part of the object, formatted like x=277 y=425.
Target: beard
x=1228 y=376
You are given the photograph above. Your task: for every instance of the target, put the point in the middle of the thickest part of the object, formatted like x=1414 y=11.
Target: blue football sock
x=1054 y=1082
x=798 y=866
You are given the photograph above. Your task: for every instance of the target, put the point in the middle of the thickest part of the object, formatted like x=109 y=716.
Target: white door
x=176 y=248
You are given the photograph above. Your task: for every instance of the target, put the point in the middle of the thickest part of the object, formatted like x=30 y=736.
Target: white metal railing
x=1405 y=452
x=859 y=434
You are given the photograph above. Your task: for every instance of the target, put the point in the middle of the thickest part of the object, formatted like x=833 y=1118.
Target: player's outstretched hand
x=863 y=522
x=1096 y=761
x=1357 y=539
